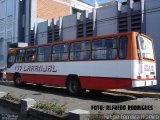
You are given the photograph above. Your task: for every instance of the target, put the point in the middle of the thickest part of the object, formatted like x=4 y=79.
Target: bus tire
x=1 y=76
x=73 y=86
x=18 y=81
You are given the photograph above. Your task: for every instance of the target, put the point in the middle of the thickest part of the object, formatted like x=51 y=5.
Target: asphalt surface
x=138 y=92
x=88 y=101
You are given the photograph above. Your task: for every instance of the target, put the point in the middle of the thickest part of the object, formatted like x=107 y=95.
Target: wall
x=153 y=28
x=47 y=9
x=42 y=32
x=107 y=20
x=69 y=27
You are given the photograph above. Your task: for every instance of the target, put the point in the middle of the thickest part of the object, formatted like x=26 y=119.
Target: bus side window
x=80 y=50
x=11 y=60
x=47 y=54
x=75 y=50
x=44 y=54
x=123 y=42
x=98 y=49
x=31 y=54
x=20 y=56
x=40 y=55
x=111 y=48
x=60 y=52
x=104 y=49
x=85 y=50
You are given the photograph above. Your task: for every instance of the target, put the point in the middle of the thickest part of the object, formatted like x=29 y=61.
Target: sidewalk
x=138 y=92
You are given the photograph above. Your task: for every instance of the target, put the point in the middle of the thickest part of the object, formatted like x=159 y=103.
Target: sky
x=100 y=1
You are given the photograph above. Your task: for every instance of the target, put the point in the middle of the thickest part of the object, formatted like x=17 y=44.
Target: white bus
x=99 y=63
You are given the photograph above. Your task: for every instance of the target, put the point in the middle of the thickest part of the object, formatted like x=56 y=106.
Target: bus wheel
x=18 y=81
x=73 y=86
x=1 y=76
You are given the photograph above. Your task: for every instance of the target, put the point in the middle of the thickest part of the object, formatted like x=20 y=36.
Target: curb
x=134 y=93
x=24 y=110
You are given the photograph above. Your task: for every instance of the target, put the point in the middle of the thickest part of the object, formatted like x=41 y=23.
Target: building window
x=10 y=7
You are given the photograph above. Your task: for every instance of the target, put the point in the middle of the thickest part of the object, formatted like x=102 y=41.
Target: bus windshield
x=146 y=47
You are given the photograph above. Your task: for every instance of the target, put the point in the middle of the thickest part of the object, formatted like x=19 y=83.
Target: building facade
x=109 y=18
x=45 y=10
x=19 y=19
x=9 y=25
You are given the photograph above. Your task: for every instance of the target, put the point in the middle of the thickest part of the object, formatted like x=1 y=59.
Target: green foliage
x=11 y=97
x=52 y=106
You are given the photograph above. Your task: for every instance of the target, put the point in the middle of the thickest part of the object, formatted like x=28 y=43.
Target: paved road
x=85 y=102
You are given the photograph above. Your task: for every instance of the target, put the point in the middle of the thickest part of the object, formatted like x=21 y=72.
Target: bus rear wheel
x=1 y=76
x=18 y=81
x=73 y=86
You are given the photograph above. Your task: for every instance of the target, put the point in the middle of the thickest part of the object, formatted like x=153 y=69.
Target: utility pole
x=94 y=18
x=95 y=4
